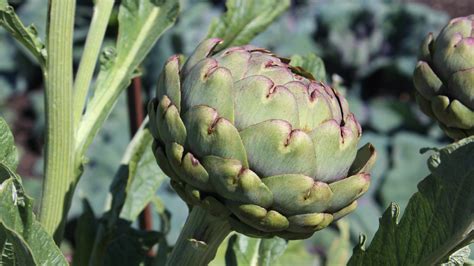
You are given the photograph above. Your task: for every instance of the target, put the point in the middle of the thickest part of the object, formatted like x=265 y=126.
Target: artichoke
x=444 y=77
x=256 y=141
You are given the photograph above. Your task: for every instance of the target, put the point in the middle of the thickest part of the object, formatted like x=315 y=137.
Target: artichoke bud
x=253 y=140
x=444 y=77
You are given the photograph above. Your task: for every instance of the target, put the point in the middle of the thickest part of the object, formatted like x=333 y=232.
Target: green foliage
x=244 y=20
x=405 y=152
x=338 y=252
x=100 y=169
x=361 y=38
x=141 y=23
x=145 y=178
x=311 y=63
x=297 y=252
x=243 y=250
x=85 y=234
x=371 y=44
x=8 y=152
x=28 y=36
x=23 y=241
x=115 y=235
x=438 y=219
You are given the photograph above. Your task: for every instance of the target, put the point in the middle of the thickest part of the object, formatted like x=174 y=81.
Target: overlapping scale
x=245 y=137
x=258 y=99
x=274 y=148
x=444 y=77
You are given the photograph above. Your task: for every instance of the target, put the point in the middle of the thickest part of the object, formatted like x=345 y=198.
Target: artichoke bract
x=257 y=141
x=444 y=77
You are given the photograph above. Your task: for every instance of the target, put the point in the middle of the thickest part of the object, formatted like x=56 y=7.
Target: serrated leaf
x=8 y=152
x=438 y=220
x=142 y=186
x=28 y=36
x=245 y=19
x=16 y=215
x=244 y=250
x=312 y=64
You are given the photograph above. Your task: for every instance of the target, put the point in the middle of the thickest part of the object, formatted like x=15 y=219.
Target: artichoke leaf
x=168 y=122
x=169 y=83
x=209 y=134
x=364 y=160
x=258 y=217
x=210 y=85
x=298 y=194
x=309 y=222
x=348 y=190
x=187 y=167
x=257 y=99
x=335 y=148
x=274 y=148
x=201 y=52
x=452 y=113
x=234 y=182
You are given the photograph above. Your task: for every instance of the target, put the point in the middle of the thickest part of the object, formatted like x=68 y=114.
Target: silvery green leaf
x=245 y=19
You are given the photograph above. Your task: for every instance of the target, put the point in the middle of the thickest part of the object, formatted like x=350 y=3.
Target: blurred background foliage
x=369 y=49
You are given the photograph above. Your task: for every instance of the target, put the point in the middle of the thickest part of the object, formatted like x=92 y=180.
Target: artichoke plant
x=444 y=77
x=257 y=142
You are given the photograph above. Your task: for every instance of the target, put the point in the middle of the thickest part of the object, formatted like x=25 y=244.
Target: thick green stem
x=199 y=240
x=95 y=37
x=59 y=152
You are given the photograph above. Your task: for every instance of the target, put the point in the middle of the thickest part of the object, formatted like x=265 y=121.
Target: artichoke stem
x=199 y=240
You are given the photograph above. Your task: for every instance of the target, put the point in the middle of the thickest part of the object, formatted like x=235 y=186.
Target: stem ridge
x=59 y=143
x=200 y=238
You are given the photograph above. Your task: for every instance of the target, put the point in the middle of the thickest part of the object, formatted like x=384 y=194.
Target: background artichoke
x=444 y=77
x=257 y=141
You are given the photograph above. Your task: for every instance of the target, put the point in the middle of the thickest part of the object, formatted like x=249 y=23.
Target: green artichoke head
x=444 y=77
x=258 y=142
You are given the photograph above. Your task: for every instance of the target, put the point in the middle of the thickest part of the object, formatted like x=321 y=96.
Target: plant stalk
x=199 y=239
x=59 y=143
x=95 y=37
